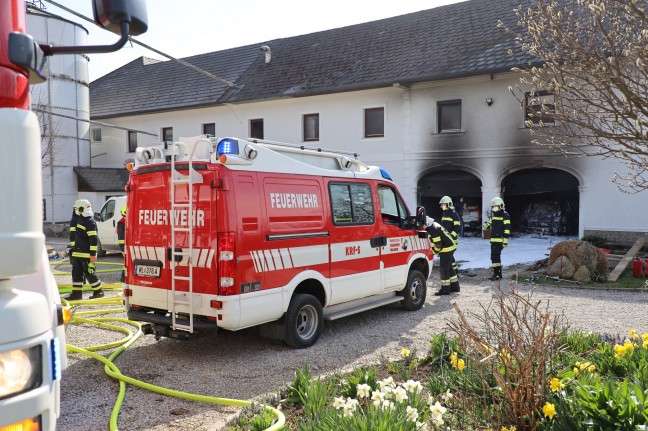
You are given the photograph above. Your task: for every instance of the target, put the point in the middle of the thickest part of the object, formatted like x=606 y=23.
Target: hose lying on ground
x=111 y=369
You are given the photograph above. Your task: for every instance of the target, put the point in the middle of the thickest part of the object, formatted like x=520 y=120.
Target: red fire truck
x=231 y=233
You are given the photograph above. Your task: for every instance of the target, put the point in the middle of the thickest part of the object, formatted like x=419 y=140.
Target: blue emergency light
x=385 y=175
x=227 y=146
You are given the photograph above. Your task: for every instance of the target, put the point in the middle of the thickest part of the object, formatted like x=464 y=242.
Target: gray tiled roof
x=450 y=41
x=102 y=179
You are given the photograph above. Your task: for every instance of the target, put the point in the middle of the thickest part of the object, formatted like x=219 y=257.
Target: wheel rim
x=416 y=290
x=307 y=321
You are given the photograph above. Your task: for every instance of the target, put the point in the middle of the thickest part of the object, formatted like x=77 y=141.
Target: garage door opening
x=542 y=201
x=455 y=184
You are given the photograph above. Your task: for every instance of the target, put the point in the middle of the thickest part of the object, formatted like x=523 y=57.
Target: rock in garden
x=579 y=253
x=561 y=267
x=582 y=274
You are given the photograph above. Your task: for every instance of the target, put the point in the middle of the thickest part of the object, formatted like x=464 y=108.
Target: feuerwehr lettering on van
x=161 y=217
x=293 y=200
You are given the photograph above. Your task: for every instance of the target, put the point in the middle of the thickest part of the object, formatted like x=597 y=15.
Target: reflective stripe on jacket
x=450 y=222
x=85 y=244
x=441 y=239
x=500 y=225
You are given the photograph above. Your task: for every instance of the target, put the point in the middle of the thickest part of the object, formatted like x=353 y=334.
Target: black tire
x=304 y=321
x=415 y=291
x=100 y=251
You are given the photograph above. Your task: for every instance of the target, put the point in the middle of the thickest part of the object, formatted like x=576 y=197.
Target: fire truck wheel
x=304 y=321
x=415 y=291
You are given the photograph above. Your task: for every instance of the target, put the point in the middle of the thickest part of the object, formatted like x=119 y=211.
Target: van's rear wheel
x=304 y=321
x=415 y=291
x=100 y=251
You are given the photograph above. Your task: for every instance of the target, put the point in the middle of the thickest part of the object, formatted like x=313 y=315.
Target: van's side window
x=392 y=207
x=351 y=204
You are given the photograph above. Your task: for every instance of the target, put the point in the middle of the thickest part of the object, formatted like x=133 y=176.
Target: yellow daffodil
x=453 y=359
x=549 y=410
x=555 y=385
x=633 y=334
x=405 y=352
x=585 y=366
x=457 y=364
x=505 y=355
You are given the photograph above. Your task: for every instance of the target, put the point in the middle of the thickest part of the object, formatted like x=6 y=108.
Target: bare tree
x=50 y=143
x=585 y=89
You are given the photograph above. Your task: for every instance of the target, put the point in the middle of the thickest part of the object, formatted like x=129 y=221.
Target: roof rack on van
x=303 y=147
x=259 y=154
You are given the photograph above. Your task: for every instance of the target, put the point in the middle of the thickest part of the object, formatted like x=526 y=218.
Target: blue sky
x=183 y=28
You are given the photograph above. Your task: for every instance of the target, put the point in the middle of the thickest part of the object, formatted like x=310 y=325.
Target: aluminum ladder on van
x=178 y=179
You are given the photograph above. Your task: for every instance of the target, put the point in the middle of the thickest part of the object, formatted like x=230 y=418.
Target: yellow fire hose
x=111 y=369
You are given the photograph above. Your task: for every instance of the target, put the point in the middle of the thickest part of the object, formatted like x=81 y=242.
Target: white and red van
x=230 y=233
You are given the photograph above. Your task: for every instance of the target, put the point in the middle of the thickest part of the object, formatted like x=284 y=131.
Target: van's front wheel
x=415 y=291
x=304 y=321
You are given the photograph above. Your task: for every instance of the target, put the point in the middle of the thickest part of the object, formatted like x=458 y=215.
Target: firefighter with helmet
x=84 y=253
x=121 y=235
x=500 y=225
x=451 y=222
x=444 y=246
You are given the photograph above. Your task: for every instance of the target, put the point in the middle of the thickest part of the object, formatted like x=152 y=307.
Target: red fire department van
x=231 y=233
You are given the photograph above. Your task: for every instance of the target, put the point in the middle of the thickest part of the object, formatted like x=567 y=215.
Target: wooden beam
x=623 y=263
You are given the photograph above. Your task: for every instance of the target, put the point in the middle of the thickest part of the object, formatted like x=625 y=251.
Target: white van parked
x=107 y=220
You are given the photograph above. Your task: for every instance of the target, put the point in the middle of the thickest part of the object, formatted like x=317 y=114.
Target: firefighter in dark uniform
x=84 y=253
x=451 y=222
x=121 y=235
x=444 y=246
x=73 y=223
x=500 y=225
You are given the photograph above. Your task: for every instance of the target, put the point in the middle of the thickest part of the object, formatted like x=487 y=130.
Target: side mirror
x=421 y=216
x=97 y=216
x=110 y=14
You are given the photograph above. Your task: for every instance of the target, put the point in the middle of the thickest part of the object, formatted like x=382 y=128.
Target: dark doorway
x=542 y=201
x=455 y=184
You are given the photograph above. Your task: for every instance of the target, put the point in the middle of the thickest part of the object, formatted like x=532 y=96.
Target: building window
x=209 y=129
x=132 y=141
x=539 y=108
x=449 y=116
x=311 y=127
x=96 y=135
x=351 y=204
x=167 y=134
x=374 y=122
x=256 y=128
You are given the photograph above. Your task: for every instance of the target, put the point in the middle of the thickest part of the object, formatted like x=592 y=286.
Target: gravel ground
x=242 y=365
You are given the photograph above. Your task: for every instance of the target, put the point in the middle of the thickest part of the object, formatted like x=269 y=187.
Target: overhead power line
x=178 y=60
x=93 y=122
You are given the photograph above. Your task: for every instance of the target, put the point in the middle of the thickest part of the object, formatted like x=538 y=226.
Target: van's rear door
x=149 y=222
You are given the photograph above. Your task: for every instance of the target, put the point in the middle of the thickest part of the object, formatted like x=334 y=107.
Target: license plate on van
x=147 y=271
